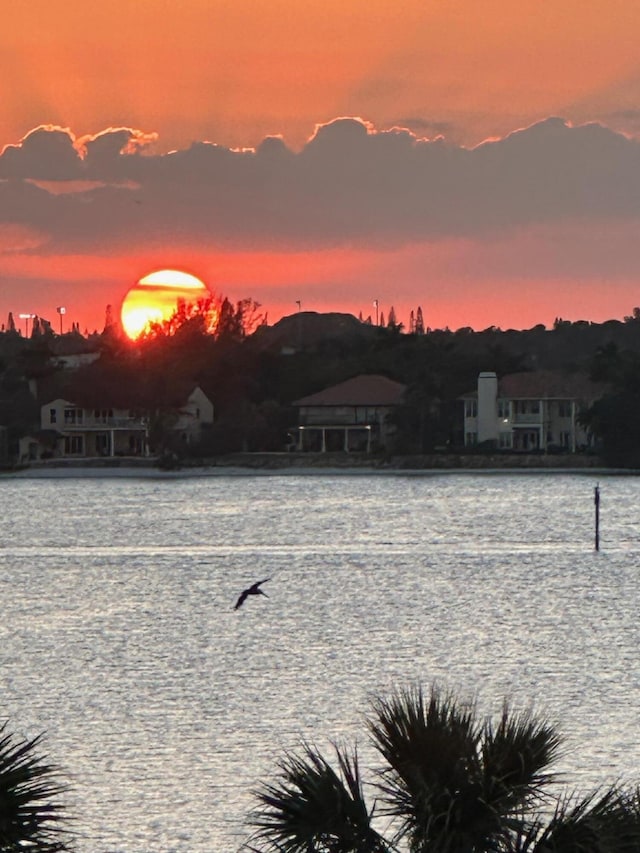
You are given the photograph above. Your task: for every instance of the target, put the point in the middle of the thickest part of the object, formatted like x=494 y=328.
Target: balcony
x=103 y=423
x=340 y=416
x=527 y=419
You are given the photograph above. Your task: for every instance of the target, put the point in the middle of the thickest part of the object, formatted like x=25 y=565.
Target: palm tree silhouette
x=449 y=783
x=31 y=817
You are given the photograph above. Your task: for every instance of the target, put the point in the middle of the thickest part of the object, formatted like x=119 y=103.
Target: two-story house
x=72 y=427
x=195 y=413
x=533 y=411
x=350 y=416
x=94 y=432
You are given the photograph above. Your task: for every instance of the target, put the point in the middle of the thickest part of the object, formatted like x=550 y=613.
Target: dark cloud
x=350 y=185
x=46 y=153
x=103 y=152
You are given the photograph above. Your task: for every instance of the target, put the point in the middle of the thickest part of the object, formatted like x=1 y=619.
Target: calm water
x=165 y=707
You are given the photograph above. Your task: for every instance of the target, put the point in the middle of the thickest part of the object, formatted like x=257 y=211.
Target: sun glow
x=172 y=278
x=155 y=297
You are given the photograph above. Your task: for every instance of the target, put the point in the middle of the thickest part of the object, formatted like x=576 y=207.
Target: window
x=527 y=407
x=504 y=441
x=526 y=440
x=72 y=416
x=102 y=416
x=53 y=415
x=136 y=446
x=564 y=408
x=103 y=445
x=565 y=439
x=471 y=409
x=471 y=438
x=73 y=445
x=503 y=410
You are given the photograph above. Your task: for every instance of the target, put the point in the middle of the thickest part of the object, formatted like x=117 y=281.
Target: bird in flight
x=254 y=589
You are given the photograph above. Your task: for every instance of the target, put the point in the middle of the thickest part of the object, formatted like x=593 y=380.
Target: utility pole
x=26 y=318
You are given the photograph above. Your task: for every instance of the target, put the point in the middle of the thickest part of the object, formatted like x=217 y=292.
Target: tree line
x=253 y=372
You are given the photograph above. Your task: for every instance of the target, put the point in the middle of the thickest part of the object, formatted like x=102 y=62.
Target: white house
x=196 y=413
x=74 y=430
x=534 y=411
x=71 y=429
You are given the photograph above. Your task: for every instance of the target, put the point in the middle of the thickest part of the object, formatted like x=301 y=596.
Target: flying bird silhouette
x=254 y=589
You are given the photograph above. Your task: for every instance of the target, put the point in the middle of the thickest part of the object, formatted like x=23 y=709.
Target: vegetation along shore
x=323 y=390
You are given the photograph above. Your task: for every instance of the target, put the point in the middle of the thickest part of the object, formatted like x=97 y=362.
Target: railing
x=528 y=418
x=105 y=423
x=336 y=421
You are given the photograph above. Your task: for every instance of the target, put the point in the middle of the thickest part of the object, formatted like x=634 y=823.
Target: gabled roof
x=364 y=390
x=549 y=384
x=546 y=385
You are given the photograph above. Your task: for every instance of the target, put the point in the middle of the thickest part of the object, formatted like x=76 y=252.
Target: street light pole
x=26 y=318
x=61 y=311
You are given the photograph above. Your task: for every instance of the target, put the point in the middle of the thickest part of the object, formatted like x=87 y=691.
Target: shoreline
x=286 y=464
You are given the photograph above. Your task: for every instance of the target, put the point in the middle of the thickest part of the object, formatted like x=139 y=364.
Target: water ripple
x=165 y=706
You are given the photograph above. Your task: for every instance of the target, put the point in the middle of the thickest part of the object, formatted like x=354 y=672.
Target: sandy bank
x=265 y=464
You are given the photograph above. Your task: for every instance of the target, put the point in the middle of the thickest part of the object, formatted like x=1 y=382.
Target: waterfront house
x=528 y=412
x=195 y=413
x=81 y=426
x=82 y=431
x=350 y=416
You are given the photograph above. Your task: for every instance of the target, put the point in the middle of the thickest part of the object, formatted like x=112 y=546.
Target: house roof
x=546 y=384
x=549 y=384
x=363 y=390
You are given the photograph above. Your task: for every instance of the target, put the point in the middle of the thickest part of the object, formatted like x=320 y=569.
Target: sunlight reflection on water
x=165 y=707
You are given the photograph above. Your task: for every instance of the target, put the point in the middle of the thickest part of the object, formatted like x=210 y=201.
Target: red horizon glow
x=544 y=224
x=287 y=281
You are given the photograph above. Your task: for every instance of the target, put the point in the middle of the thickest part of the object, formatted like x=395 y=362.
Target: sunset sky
x=479 y=159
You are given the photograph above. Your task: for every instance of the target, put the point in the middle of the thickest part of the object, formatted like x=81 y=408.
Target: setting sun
x=155 y=297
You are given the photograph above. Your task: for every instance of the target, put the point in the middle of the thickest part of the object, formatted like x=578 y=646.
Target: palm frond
x=430 y=784
x=315 y=808
x=31 y=814
x=515 y=757
x=449 y=784
x=607 y=822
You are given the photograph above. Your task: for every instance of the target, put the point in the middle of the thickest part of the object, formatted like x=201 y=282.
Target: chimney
x=487 y=407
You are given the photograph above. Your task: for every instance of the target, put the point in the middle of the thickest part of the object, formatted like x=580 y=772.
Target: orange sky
x=234 y=73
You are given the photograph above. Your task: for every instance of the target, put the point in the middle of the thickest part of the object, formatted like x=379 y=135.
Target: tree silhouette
x=448 y=783
x=31 y=816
